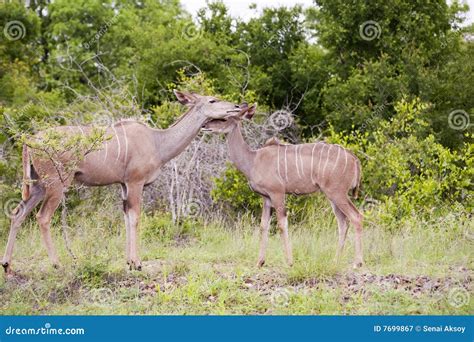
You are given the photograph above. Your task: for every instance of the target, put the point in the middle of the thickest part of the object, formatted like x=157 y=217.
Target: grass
x=417 y=268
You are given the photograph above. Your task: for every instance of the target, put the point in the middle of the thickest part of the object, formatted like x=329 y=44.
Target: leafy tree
x=270 y=40
x=18 y=52
x=358 y=31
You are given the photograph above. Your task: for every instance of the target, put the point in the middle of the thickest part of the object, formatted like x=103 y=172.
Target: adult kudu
x=278 y=169
x=132 y=157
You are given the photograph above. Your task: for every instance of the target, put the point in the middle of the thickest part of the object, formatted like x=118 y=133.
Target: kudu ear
x=250 y=112
x=184 y=98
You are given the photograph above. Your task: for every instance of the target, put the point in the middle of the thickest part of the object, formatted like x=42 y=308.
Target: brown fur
x=272 y=141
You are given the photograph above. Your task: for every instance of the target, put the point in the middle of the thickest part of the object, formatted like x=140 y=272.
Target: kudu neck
x=171 y=141
x=240 y=152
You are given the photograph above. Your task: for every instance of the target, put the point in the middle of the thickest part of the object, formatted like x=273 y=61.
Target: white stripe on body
x=296 y=161
x=126 y=141
x=118 y=142
x=345 y=161
x=337 y=158
x=312 y=164
x=301 y=163
x=320 y=157
x=327 y=159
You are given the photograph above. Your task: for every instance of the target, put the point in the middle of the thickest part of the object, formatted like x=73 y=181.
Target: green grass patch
x=210 y=268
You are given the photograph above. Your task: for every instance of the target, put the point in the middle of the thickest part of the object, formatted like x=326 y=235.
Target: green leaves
x=408 y=170
x=233 y=190
x=380 y=77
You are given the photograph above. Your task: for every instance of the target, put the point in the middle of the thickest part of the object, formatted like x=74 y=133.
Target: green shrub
x=233 y=190
x=161 y=227
x=93 y=272
x=406 y=169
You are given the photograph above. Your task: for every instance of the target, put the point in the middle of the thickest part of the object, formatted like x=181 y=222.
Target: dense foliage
x=399 y=93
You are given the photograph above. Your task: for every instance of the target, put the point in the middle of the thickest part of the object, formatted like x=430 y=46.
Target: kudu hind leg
x=356 y=218
x=18 y=217
x=342 y=229
x=264 y=229
x=127 y=223
x=44 y=216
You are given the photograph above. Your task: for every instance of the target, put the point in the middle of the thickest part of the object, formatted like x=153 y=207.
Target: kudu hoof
x=358 y=264
x=260 y=263
x=134 y=266
x=6 y=267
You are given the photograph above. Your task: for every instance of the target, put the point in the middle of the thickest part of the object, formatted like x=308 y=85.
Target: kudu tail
x=25 y=191
x=357 y=179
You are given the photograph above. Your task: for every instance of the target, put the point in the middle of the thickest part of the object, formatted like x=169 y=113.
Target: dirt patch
x=351 y=283
x=164 y=276
x=183 y=240
x=16 y=278
x=62 y=294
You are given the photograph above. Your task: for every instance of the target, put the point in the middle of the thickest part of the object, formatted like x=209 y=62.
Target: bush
x=407 y=170
x=403 y=168
x=161 y=227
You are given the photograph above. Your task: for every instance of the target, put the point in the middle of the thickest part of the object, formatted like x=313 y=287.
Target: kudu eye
x=212 y=101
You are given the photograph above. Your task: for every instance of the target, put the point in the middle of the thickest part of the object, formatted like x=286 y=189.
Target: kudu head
x=208 y=106
x=227 y=125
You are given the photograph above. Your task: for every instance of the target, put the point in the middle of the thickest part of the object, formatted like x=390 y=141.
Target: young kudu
x=132 y=157
x=279 y=169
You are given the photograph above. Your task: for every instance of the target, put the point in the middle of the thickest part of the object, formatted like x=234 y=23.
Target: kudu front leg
x=132 y=214
x=264 y=228
x=283 y=226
